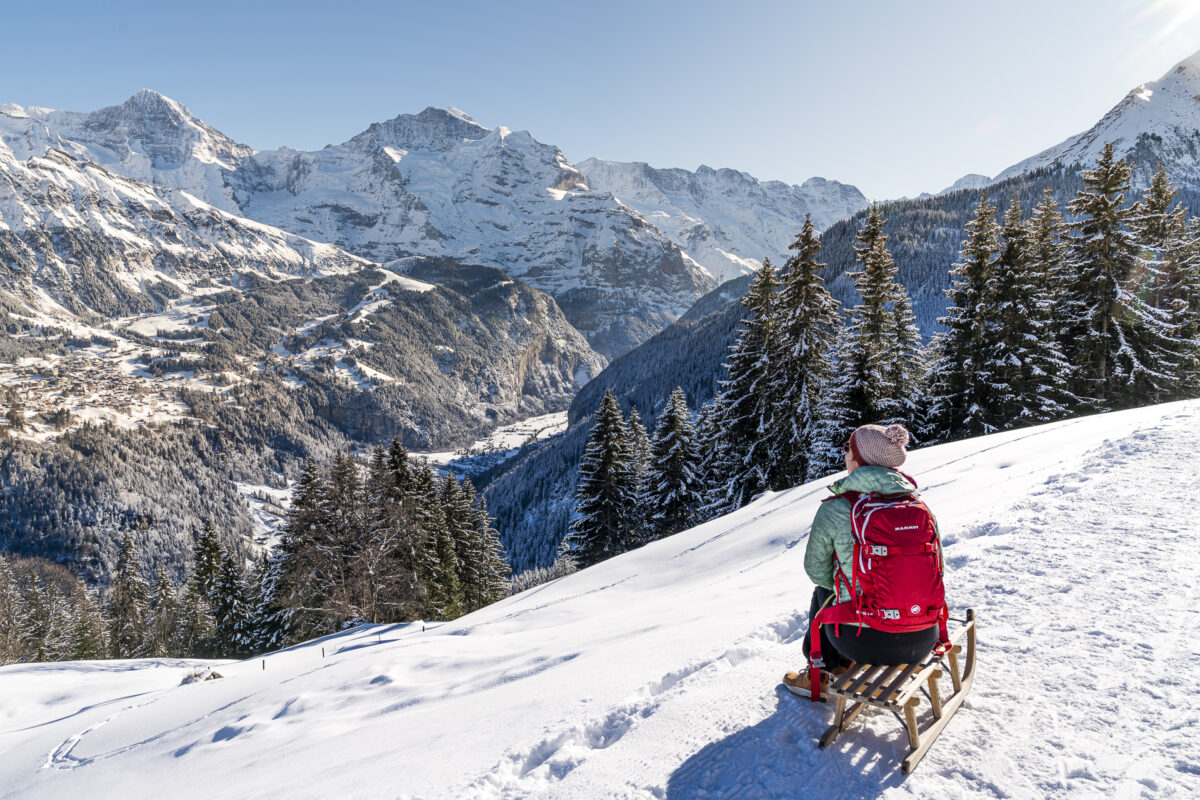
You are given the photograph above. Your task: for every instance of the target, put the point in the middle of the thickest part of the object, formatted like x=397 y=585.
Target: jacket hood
x=875 y=479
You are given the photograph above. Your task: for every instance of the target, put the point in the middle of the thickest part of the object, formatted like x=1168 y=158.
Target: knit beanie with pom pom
x=879 y=446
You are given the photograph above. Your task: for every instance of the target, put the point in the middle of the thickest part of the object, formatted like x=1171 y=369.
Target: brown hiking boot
x=799 y=683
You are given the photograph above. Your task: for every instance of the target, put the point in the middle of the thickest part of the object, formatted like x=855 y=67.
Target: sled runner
x=898 y=688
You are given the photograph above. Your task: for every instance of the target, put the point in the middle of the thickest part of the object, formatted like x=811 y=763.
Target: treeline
x=1050 y=317
x=389 y=543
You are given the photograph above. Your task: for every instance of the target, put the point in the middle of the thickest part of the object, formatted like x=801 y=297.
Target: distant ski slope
x=656 y=674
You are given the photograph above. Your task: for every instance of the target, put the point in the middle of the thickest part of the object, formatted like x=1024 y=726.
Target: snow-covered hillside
x=1157 y=121
x=656 y=674
x=725 y=219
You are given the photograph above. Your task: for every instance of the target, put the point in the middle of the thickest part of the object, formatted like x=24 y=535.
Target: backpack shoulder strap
x=850 y=496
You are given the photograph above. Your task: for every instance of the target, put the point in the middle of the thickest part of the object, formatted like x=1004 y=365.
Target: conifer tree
x=1113 y=335
x=1026 y=371
x=231 y=611
x=605 y=491
x=1159 y=292
x=742 y=411
x=494 y=569
x=385 y=564
x=15 y=621
x=958 y=379
x=1185 y=308
x=51 y=617
x=673 y=493
x=127 y=605
x=163 y=618
x=440 y=562
x=878 y=362
x=338 y=547
x=809 y=321
x=88 y=629
x=639 y=459
x=258 y=628
x=196 y=625
x=298 y=584
x=1047 y=253
x=468 y=549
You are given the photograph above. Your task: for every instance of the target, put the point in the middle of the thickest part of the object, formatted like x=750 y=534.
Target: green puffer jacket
x=831 y=535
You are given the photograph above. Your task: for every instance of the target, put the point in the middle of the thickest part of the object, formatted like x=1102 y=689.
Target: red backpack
x=896 y=584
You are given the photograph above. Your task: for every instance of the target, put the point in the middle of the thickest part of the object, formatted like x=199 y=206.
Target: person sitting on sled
x=872 y=454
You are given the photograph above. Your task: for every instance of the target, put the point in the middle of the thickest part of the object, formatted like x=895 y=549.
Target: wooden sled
x=898 y=688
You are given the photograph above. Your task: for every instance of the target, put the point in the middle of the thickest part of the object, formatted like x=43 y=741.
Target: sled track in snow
x=524 y=772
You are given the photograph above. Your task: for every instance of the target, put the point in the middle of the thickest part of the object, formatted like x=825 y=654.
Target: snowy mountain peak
x=154 y=105
x=434 y=129
x=1156 y=121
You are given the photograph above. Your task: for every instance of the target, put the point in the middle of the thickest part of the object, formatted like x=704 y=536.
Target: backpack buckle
x=889 y=613
x=879 y=550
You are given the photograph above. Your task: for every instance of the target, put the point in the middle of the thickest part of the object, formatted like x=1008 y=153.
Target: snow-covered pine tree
x=88 y=628
x=878 y=334
x=673 y=493
x=296 y=588
x=15 y=620
x=439 y=563
x=384 y=567
x=907 y=366
x=468 y=549
x=809 y=321
x=163 y=618
x=1185 y=308
x=606 y=489
x=1047 y=254
x=1027 y=370
x=1161 y=230
x=639 y=458
x=958 y=378
x=339 y=546
x=1111 y=337
x=494 y=569
x=127 y=605
x=256 y=610
x=195 y=630
x=51 y=613
x=742 y=410
x=231 y=612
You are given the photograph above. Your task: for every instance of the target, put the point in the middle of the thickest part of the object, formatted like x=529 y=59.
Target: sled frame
x=897 y=688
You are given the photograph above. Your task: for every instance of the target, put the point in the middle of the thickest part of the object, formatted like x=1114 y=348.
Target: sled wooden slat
x=901 y=679
x=867 y=672
x=896 y=688
x=873 y=689
x=842 y=682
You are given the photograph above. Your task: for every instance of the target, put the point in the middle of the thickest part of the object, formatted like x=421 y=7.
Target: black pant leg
x=829 y=653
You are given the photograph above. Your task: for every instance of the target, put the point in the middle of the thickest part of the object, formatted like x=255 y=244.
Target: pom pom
x=897 y=435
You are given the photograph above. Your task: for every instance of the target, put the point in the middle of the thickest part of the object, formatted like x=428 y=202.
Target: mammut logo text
x=908 y=527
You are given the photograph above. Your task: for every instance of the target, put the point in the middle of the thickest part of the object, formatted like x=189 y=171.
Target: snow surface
x=656 y=674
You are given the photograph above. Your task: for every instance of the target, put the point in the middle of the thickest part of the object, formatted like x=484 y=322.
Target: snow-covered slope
x=725 y=219
x=656 y=674
x=1158 y=121
x=436 y=183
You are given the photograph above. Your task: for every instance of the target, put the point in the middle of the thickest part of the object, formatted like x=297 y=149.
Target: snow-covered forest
x=1048 y=319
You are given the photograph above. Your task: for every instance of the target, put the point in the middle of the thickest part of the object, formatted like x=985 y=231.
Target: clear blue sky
x=894 y=96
